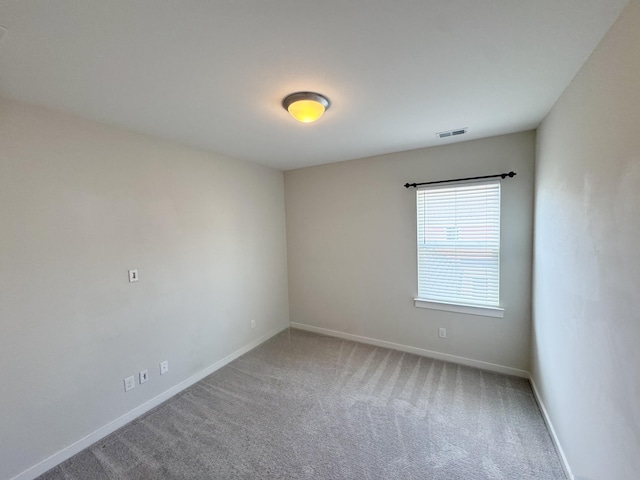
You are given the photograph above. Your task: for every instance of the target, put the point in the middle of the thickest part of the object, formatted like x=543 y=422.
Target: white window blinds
x=459 y=244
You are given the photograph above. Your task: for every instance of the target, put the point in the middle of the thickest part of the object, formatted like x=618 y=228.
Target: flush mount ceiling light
x=306 y=107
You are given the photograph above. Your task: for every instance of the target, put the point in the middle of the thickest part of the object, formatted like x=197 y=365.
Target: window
x=459 y=248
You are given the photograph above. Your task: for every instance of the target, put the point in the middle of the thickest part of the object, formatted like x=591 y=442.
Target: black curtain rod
x=501 y=175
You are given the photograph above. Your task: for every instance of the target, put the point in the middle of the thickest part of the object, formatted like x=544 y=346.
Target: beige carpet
x=308 y=406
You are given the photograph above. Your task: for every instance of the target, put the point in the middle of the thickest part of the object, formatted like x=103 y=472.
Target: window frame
x=466 y=308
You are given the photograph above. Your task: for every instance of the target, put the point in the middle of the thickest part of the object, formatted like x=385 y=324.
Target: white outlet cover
x=129 y=383
x=164 y=367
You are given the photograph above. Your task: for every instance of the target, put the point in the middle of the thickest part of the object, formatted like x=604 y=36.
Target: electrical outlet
x=129 y=383
x=133 y=276
x=253 y=323
x=164 y=367
x=144 y=376
x=442 y=332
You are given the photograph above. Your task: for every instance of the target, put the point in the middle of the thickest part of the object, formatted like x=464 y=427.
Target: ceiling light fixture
x=306 y=107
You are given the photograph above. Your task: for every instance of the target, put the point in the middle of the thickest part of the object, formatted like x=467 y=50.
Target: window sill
x=452 y=307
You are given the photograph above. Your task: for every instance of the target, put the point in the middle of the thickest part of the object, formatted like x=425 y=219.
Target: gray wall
x=351 y=236
x=586 y=360
x=80 y=204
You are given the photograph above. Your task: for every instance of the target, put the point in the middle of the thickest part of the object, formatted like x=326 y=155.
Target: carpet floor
x=307 y=406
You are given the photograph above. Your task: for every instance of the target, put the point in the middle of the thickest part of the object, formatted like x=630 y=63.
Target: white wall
x=80 y=204
x=586 y=359
x=351 y=237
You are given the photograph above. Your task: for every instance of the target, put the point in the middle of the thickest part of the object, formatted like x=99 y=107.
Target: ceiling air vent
x=452 y=133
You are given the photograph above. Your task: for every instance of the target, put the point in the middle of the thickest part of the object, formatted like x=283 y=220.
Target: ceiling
x=211 y=74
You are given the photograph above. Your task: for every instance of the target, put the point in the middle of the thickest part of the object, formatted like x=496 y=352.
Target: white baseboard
x=76 y=447
x=418 y=351
x=552 y=431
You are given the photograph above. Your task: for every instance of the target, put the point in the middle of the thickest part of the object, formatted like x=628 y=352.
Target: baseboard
x=418 y=351
x=76 y=447
x=552 y=431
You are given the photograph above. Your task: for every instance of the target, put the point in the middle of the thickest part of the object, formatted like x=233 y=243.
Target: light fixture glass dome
x=306 y=107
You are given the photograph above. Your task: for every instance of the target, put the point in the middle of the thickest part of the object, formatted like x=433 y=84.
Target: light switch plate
x=133 y=275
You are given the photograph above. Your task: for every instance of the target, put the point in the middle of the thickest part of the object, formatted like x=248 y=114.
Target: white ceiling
x=212 y=73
